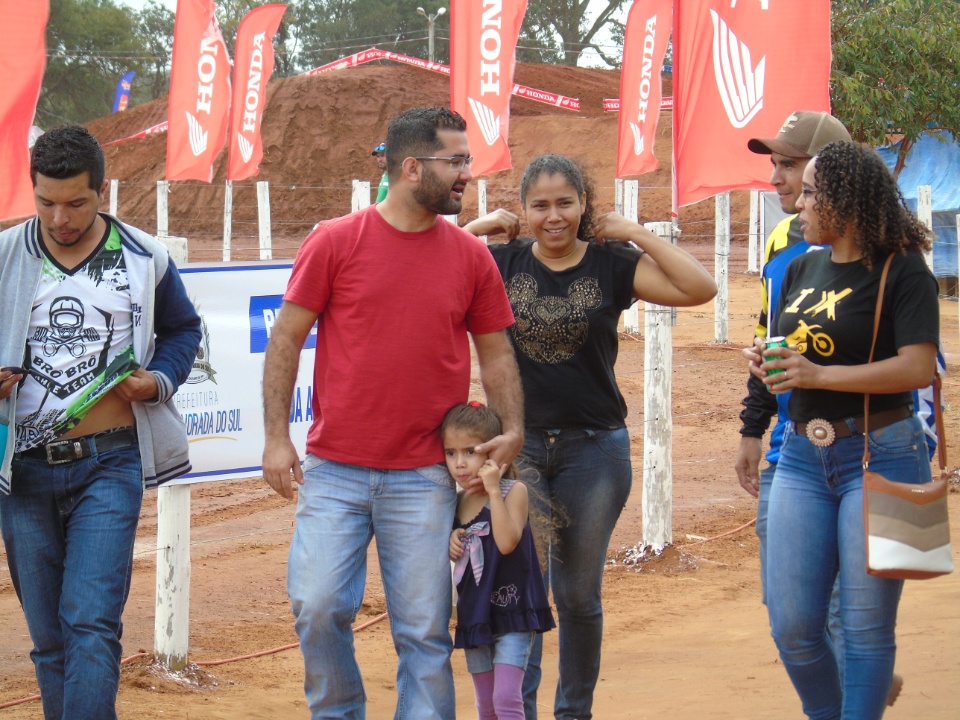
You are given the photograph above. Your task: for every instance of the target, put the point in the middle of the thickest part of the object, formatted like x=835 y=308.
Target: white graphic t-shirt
x=80 y=343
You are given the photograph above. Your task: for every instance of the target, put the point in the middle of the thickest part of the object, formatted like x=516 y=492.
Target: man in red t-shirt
x=395 y=290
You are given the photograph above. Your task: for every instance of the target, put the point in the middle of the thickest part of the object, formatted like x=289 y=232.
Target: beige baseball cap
x=803 y=134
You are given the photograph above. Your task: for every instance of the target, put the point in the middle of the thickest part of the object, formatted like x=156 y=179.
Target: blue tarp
x=936 y=163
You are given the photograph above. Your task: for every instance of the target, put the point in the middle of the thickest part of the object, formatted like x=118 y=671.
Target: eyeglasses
x=457 y=162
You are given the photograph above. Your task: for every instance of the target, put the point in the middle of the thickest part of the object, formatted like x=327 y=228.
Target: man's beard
x=80 y=237
x=434 y=196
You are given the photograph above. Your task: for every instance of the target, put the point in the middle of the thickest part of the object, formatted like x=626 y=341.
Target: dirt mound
x=318 y=131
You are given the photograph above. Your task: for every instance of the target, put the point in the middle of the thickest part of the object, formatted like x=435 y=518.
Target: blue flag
x=122 y=97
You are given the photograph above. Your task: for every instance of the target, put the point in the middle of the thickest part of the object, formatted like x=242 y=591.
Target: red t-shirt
x=392 y=350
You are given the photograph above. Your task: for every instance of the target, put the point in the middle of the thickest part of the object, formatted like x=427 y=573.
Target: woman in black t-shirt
x=568 y=288
x=850 y=203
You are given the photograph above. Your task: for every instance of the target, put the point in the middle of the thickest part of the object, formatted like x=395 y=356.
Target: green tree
x=155 y=30
x=559 y=31
x=90 y=45
x=326 y=30
x=895 y=69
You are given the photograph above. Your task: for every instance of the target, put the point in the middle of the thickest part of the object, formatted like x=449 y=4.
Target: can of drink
x=772 y=342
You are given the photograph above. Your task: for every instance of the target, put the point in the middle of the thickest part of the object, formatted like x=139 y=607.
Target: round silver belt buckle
x=820 y=432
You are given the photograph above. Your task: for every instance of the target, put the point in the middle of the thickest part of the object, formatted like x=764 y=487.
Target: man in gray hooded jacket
x=98 y=335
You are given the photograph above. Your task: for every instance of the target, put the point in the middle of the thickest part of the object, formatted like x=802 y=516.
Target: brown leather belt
x=819 y=431
x=76 y=448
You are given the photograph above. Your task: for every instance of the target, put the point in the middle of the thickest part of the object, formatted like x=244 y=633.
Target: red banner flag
x=23 y=55
x=644 y=45
x=199 y=92
x=483 y=38
x=252 y=68
x=739 y=69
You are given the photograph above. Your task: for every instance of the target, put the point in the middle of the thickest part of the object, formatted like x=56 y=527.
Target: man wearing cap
x=380 y=153
x=802 y=136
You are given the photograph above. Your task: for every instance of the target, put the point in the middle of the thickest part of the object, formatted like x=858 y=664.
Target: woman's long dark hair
x=855 y=188
x=573 y=173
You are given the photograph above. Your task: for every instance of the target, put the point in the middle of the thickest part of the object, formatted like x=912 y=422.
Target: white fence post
x=481 y=197
x=754 y=230
x=227 y=219
x=163 y=191
x=360 y=195
x=618 y=196
x=172 y=618
x=263 y=215
x=721 y=258
x=925 y=214
x=113 y=197
x=631 y=195
x=657 y=500
x=176 y=246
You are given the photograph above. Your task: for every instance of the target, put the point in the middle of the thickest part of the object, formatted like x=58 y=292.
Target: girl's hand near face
x=490 y=473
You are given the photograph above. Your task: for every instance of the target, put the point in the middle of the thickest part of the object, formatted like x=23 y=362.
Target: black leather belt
x=824 y=432
x=72 y=449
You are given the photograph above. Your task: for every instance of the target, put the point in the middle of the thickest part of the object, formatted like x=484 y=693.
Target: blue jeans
x=339 y=510
x=584 y=482
x=815 y=531
x=69 y=532
x=834 y=627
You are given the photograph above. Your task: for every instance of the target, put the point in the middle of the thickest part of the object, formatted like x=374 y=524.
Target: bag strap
x=937 y=386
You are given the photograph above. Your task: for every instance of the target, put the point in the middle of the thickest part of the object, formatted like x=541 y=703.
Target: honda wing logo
x=246 y=148
x=489 y=124
x=740 y=84
x=638 y=143
x=198 y=136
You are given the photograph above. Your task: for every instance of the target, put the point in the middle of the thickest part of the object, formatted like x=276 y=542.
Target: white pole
x=761 y=229
x=360 y=195
x=721 y=257
x=227 y=219
x=618 y=196
x=163 y=191
x=754 y=231
x=481 y=197
x=263 y=213
x=113 y=196
x=657 y=502
x=176 y=246
x=172 y=619
x=631 y=193
x=925 y=213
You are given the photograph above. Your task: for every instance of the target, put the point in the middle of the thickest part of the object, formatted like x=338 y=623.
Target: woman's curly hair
x=856 y=189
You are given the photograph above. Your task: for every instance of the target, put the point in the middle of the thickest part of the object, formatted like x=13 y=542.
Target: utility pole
x=430 y=19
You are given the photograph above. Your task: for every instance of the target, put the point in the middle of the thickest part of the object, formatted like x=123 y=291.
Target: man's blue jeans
x=339 y=510
x=815 y=531
x=69 y=532
x=584 y=482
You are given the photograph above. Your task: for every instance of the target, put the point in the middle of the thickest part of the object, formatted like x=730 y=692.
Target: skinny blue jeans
x=69 y=532
x=340 y=508
x=583 y=480
x=816 y=531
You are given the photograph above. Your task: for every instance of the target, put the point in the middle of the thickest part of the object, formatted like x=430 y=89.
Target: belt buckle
x=821 y=432
x=63 y=451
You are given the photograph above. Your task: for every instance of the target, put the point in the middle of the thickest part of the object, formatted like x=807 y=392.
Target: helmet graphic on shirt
x=66 y=328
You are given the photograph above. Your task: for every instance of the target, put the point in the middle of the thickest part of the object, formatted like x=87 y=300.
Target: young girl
x=502 y=602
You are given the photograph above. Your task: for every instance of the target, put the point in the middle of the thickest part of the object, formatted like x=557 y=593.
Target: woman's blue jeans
x=583 y=481
x=69 y=532
x=815 y=531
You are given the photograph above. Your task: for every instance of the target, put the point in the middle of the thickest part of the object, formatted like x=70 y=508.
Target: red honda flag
x=252 y=68
x=199 y=92
x=644 y=45
x=23 y=55
x=483 y=39
x=739 y=70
